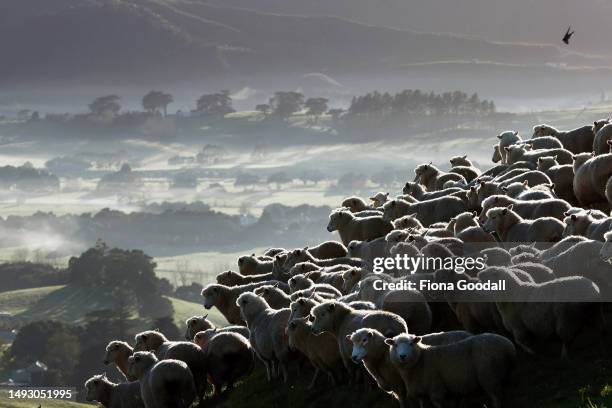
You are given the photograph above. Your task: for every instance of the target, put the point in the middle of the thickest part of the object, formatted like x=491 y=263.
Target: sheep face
x=379 y=199
x=353 y=249
x=300 y=308
x=338 y=219
x=350 y=278
x=211 y=295
x=496 y=218
x=140 y=362
x=404 y=348
x=250 y=304
x=360 y=339
x=96 y=388
x=515 y=153
x=580 y=159
x=323 y=317
x=354 y=204
x=460 y=161
x=149 y=340
x=598 y=124
x=295 y=256
x=543 y=130
x=546 y=162
x=294 y=328
x=412 y=188
x=196 y=324
x=396 y=236
x=407 y=222
x=576 y=224
x=424 y=172
x=202 y=338
x=228 y=278
x=298 y=282
x=117 y=351
x=606 y=250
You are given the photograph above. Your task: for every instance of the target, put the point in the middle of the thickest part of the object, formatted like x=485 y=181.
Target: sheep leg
x=314 y=379
x=268 y=370
x=282 y=365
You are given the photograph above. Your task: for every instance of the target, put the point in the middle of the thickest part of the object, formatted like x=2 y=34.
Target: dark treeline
x=180 y=230
x=416 y=102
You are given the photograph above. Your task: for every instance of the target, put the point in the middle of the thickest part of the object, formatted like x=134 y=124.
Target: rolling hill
x=182 y=39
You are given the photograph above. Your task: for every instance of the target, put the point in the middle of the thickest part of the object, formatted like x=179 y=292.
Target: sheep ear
x=474 y=214
x=573 y=217
x=510 y=206
x=526 y=183
x=499 y=136
x=331 y=306
x=418 y=339
x=370 y=334
x=504 y=211
x=348 y=337
x=516 y=133
x=464 y=156
x=503 y=189
x=392 y=203
x=390 y=342
x=507 y=148
x=205 y=316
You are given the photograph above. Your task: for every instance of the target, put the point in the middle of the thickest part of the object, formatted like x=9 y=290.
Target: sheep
x=379 y=199
x=362 y=229
x=576 y=141
x=428 y=212
x=163 y=349
x=276 y=298
x=496 y=256
x=417 y=191
x=433 y=178
x=407 y=222
x=231 y=278
x=272 y=252
x=517 y=153
x=468 y=173
x=497 y=156
x=583 y=223
x=522 y=191
x=251 y=265
x=356 y=204
x=590 y=179
x=322 y=350
x=313 y=293
x=532 y=209
x=368 y=250
x=341 y=320
x=109 y=395
x=506 y=139
x=224 y=298
x=163 y=384
x=410 y=305
x=328 y=250
x=118 y=352
x=267 y=332
x=460 y=161
x=511 y=227
x=303 y=255
x=543 y=142
x=370 y=348
x=562 y=176
x=606 y=249
x=229 y=357
x=323 y=276
x=300 y=282
x=540 y=273
x=600 y=143
x=559 y=308
x=464 y=220
x=559 y=247
x=584 y=259
x=530 y=177
x=479 y=363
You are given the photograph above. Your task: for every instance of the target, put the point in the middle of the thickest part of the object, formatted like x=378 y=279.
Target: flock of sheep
x=536 y=218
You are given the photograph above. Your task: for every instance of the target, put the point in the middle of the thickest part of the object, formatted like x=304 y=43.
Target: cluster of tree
x=416 y=102
x=128 y=275
x=27 y=178
x=120 y=180
x=283 y=104
x=23 y=275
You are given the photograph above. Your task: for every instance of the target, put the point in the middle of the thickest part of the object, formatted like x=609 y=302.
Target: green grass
x=8 y=403
x=184 y=310
x=19 y=301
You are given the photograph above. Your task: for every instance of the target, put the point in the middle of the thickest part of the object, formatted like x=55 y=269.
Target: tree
x=316 y=106
x=279 y=178
x=156 y=100
x=263 y=108
x=217 y=104
x=105 y=105
x=285 y=104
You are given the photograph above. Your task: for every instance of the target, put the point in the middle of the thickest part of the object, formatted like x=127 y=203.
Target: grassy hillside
x=71 y=304
x=6 y=403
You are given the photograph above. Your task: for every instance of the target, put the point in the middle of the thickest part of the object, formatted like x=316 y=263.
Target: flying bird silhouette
x=568 y=35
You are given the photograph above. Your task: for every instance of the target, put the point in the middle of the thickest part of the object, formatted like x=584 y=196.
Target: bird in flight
x=568 y=35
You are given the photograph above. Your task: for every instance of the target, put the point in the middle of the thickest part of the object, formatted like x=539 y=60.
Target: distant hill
x=180 y=39
x=541 y=21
